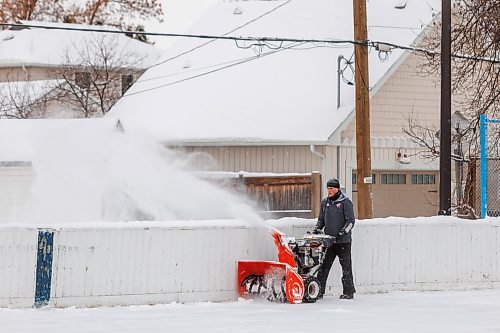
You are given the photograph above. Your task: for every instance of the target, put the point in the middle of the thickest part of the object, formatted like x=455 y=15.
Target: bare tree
x=95 y=75
x=464 y=155
x=476 y=61
x=476 y=90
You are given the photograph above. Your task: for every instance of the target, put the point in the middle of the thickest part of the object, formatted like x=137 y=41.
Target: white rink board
x=17 y=266
x=184 y=261
x=154 y=264
x=414 y=255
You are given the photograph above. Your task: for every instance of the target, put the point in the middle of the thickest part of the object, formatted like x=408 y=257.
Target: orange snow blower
x=294 y=278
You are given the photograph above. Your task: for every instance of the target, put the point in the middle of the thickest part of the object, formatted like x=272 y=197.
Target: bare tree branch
x=93 y=75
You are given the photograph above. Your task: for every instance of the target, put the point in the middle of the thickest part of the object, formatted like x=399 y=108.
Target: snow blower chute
x=294 y=278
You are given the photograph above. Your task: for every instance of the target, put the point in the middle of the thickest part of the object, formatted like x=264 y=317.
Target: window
x=127 y=81
x=355 y=178
x=393 y=178
x=422 y=178
x=82 y=79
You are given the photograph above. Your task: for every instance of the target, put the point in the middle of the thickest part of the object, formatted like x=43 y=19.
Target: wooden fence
x=278 y=195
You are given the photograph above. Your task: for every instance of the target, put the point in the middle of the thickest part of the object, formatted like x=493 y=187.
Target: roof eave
x=244 y=143
x=34 y=64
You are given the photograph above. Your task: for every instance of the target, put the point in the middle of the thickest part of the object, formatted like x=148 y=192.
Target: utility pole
x=445 y=131
x=363 y=148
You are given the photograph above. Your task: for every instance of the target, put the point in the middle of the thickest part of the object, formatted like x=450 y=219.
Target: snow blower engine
x=294 y=278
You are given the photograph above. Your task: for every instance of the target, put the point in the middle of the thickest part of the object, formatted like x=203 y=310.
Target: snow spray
x=110 y=175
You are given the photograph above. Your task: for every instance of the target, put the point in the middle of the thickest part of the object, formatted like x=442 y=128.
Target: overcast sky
x=179 y=15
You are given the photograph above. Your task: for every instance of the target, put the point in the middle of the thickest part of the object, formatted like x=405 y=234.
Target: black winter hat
x=333 y=182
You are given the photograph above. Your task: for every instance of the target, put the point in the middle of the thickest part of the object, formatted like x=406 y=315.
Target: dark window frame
x=127 y=81
x=393 y=179
x=423 y=179
x=83 y=79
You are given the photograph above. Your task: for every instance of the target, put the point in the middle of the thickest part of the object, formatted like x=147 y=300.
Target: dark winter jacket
x=337 y=214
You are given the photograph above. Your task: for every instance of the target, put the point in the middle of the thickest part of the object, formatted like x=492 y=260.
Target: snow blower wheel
x=312 y=289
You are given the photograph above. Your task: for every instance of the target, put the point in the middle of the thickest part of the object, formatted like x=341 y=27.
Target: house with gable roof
x=47 y=70
x=288 y=107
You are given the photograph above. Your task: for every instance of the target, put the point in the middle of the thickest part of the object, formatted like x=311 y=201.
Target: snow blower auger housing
x=294 y=278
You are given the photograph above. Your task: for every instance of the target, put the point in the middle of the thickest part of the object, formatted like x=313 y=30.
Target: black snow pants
x=343 y=251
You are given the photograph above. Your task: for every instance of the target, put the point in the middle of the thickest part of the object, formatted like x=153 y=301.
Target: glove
x=345 y=230
x=316 y=231
x=338 y=236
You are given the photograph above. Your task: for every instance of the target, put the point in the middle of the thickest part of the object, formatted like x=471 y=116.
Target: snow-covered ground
x=457 y=311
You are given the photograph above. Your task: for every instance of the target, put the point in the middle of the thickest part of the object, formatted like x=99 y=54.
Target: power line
x=294 y=47
x=185 y=52
x=180 y=54
x=229 y=65
x=227 y=33
x=261 y=40
x=377 y=44
x=232 y=64
x=219 y=37
x=236 y=62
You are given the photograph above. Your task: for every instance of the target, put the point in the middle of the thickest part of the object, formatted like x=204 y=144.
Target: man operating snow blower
x=337 y=218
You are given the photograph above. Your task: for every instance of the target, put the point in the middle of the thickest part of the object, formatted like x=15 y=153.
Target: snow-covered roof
x=28 y=139
x=220 y=91
x=46 y=47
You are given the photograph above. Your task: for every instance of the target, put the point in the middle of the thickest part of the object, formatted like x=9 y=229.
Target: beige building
x=48 y=73
x=276 y=107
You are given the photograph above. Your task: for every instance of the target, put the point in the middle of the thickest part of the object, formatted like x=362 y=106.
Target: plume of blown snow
x=114 y=176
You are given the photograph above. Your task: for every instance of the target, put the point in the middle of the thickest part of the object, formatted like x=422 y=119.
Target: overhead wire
x=215 y=37
x=153 y=34
x=225 y=34
x=262 y=39
x=213 y=40
x=232 y=64
x=296 y=47
x=226 y=66
x=259 y=41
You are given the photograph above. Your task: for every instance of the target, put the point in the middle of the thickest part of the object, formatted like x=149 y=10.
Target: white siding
x=10 y=74
x=277 y=159
x=382 y=158
x=403 y=93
